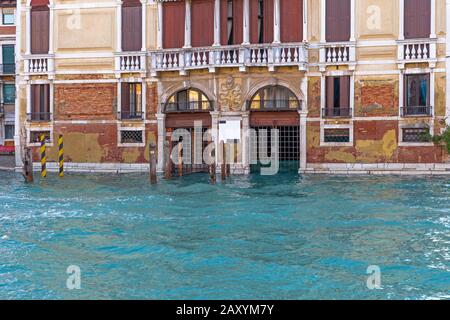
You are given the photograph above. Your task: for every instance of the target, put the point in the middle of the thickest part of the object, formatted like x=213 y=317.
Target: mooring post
x=152 y=159
x=229 y=155
x=28 y=165
x=212 y=167
x=223 y=164
x=61 y=155
x=43 y=157
x=180 y=159
x=167 y=161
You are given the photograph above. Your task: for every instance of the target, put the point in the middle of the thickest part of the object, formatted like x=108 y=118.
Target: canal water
x=281 y=237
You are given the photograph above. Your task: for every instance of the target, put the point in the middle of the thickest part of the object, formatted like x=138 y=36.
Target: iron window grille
x=131 y=136
x=416 y=135
x=337 y=135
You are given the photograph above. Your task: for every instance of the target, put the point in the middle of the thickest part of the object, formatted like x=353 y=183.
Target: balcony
x=191 y=106
x=274 y=105
x=39 y=64
x=130 y=115
x=339 y=53
x=7 y=69
x=417 y=51
x=417 y=111
x=334 y=113
x=128 y=62
x=266 y=55
x=39 y=117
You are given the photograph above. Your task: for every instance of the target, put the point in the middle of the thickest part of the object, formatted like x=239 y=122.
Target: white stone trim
x=401 y=20
x=119 y=26
x=324 y=126
x=217 y=23
x=187 y=25
x=159 y=31
x=276 y=22
x=37 y=129
x=246 y=23
x=415 y=169
x=305 y=21
x=424 y=123
x=144 y=25
x=121 y=128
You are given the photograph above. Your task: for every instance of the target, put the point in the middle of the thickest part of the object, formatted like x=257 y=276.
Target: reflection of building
x=7 y=74
x=351 y=85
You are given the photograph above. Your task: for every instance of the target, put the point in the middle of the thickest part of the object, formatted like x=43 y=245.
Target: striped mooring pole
x=43 y=158
x=61 y=155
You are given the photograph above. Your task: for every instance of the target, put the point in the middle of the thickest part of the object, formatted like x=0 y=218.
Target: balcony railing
x=39 y=64
x=192 y=106
x=130 y=115
x=7 y=69
x=265 y=55
x=274 y=105
x=131 y=61
x=337 y=112
x=421 y=50
x=39 y=117
x=417 y=111
x=338 y=53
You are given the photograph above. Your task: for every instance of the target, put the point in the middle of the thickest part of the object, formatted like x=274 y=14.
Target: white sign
x=230 y=130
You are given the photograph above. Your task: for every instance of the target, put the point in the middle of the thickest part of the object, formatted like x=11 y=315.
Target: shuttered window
x=40 y=30
x=132 y=25
x=231 y=28
x=202 y=23
x=417 y=19
x=40 y=102
x=338 y=20
x=173 y=24
x=131 y=100
x=337 y=96
x=291 y=20
x=261 y=21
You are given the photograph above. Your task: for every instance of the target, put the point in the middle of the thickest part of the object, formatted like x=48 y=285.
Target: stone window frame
x=37 y=129
x=417 y=125
x=325 y=126
x=143 y=83
x=130 y=145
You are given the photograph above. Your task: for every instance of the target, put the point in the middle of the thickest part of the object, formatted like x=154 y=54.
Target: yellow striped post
x=61 y=155
x=43 y=158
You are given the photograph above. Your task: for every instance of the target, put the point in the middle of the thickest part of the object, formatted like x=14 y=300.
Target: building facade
x=351 y=85
x=7 y=74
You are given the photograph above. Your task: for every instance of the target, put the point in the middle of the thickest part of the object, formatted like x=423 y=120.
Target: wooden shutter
x=202 y=23
x=173 y=24
x=35 y=106
x=268 y=20
x=330 y=93
x=40 y=30
x=344 y=92
x=238 y=16
x=224 y=22
x=338 y=20
x=268 y=12
x=417 y=19
x=291 y=20
x=45 y=108
x=125 y=98
x=132 y=26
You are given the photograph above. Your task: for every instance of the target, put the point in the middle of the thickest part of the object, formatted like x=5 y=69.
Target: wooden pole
x=43 y=157
x=228 y=164
x=28 y=165
x=167 y=160
x=152 y=159
x=223 y=164
x=212 y=167
x=61 y=156
x=180 y=159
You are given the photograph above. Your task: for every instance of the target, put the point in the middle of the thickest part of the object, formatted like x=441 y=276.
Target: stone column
x=144 y=25
x=246 y=28
x=159 y=31
x=303 y=141
x=276 y=22
x=119 y=26
x=187 y=31
x=246 y=142
x=216 y=23
x=401 y=26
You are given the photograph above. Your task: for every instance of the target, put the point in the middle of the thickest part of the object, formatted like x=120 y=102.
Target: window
x=188 y=100
x=416 y=135
x=8 y=16
x=9 y=66
x=274 y=98
x=202 y=23
x=131 y=99
x=131 y=25
x=417 y=19
x=261 y=21
x=9 y=93
x=9 y=132
x=40 y=28
x=292 y=21
x=337 y=97
x=338 y=20
x=337 y=135
x=131 y=137
x=40 y=102
x=35 y=136
x=173 y=24
x=231 y=22
x=417 y=95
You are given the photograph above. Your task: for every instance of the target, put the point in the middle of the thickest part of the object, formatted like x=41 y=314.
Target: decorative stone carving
x=230 y=95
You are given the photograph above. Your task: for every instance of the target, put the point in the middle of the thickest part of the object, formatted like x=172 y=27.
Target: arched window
x=190 y=100
x=274 y=98
x=40 y=27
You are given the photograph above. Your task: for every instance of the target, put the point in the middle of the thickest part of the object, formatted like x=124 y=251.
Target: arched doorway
x=184 y=110
x=275 y=107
